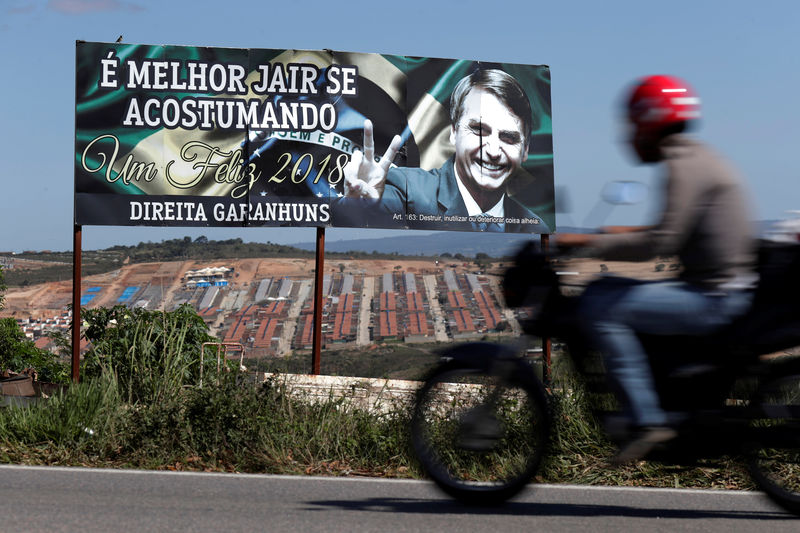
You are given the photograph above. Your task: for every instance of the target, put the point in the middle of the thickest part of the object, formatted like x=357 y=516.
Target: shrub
x=152 y=354
x=17 y=353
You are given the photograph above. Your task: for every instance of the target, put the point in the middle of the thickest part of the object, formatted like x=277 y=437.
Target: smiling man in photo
x=490 y=125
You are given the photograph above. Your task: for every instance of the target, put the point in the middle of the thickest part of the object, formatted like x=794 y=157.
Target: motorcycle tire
x=774 y=461
x=480 y=434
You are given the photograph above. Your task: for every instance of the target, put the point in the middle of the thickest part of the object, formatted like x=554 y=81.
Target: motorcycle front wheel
x=481 y=434
x=774 y=461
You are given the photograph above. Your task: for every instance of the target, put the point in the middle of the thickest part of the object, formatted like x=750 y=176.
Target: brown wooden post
x=320 y=266
x=546 y=343
x=76 y=303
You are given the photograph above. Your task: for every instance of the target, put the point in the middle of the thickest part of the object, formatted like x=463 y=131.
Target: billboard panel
x=196 y=136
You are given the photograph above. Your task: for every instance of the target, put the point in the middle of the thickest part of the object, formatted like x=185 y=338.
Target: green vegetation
x=230 y=426
x=504 y=411
x=18 y=353
x=150 y=354
x=580 y=451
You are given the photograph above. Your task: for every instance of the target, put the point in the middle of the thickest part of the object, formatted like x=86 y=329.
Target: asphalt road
x=34 y=499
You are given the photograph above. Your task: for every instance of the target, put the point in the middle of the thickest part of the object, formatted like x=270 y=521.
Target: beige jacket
x=705 y=220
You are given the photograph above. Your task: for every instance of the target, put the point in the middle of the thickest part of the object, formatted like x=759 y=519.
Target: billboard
x=197 y=136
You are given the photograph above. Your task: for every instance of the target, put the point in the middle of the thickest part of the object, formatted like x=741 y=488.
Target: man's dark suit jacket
x=430 y=199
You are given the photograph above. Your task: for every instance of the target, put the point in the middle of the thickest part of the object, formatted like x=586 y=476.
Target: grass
x=236 y=426
x=232 y=426
x=580 y=452
x=142 y=406
x=62 y=429
x=457 y=400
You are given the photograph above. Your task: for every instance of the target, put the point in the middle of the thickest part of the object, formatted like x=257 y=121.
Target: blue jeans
x=613 y=309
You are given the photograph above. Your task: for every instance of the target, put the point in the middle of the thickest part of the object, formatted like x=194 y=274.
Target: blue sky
x=742 y=57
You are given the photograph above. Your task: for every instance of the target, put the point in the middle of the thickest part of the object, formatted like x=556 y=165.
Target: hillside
x=31 y=268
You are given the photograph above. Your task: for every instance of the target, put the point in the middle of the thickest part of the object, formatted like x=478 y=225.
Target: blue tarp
x=127 y=294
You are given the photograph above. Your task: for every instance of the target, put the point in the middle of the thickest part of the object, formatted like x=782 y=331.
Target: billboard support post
x=318 y=276
x=76 y=302
x=547 y=344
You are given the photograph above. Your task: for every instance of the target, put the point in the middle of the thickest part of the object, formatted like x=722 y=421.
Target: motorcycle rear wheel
x=774 y=462
x=481 y=435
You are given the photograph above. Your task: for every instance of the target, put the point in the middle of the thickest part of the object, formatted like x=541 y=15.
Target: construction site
x=266 y=305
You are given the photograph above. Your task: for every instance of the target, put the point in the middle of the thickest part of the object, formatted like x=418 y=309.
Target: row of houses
x=341 y=303
x=38 y=329
x=398 y=310
x=395 y=306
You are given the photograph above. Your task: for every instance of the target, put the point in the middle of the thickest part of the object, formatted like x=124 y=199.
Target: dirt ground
x=586 y=269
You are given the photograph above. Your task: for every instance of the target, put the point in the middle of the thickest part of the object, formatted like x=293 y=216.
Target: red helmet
x=659 y=101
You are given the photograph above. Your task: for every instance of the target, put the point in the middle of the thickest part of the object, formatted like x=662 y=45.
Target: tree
x=18 y=353
x=482 y=260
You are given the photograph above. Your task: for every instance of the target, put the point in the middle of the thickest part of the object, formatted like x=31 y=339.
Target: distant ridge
x=452 y=242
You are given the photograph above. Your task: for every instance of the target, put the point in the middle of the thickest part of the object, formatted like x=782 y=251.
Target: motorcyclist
x=704 y=222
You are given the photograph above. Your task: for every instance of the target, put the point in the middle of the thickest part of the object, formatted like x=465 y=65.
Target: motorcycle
x=482 y=420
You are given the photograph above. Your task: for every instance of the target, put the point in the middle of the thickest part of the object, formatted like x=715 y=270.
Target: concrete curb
x=371 y=394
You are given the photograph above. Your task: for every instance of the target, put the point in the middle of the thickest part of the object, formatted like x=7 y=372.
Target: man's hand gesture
x=364 y=177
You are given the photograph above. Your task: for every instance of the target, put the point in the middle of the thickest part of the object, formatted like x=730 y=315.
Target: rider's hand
x=364 y=177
